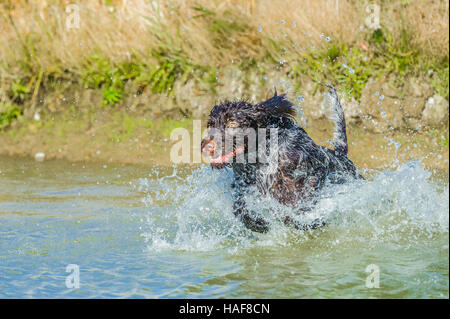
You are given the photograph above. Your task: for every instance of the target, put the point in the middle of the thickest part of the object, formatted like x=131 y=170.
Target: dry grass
x=34 y=33
x=427 y=22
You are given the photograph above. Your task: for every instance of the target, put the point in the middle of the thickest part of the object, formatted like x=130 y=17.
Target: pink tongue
x=225 y=158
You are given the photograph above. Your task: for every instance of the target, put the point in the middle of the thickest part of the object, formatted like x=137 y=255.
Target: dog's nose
x=208 y=146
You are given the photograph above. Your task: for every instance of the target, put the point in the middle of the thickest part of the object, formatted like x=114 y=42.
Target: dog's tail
x=338 y=118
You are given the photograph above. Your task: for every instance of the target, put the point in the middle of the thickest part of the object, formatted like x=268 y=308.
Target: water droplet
x=300 y=98
x=382 y=97
x=282 y=22
x=294 y=24
x=260 y=28
x=328 y=39
x=351 y=71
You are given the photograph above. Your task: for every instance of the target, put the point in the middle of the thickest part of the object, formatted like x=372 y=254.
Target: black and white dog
x=301 y=167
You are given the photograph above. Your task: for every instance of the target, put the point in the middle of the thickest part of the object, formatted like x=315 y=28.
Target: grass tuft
x=9 y=113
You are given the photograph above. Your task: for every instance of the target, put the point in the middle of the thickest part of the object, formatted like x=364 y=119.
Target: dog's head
x=232 y=125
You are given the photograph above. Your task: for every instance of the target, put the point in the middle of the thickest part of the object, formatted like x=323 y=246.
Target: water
x=153 y=232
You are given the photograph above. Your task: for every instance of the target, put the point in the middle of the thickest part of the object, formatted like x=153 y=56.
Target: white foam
x=194 y=213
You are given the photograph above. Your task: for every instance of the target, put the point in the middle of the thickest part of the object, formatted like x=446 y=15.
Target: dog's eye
x=232 y=124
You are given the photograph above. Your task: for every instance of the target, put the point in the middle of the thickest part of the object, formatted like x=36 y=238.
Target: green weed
x=19 y=92
x=350 y=68
x=440 y=80
x=9 y=113
x=101 y=73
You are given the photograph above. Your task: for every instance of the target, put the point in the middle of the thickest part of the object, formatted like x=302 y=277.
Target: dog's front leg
x=250 y=219
x=288 y=221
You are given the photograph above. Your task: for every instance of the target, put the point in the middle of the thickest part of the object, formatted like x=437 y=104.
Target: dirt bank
x=140 y=138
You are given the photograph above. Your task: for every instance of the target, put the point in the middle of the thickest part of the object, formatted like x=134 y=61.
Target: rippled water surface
x=169 y=233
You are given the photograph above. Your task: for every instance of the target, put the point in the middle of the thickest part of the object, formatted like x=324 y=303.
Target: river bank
x=190 y=54
x=90 y=90
x=119 y=137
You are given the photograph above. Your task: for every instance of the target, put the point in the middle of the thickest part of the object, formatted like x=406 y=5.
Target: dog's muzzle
x=208 y=146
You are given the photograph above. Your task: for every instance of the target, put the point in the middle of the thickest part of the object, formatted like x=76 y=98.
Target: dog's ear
x=279 y=106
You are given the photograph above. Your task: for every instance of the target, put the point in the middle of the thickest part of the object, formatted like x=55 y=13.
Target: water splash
x=194 y=213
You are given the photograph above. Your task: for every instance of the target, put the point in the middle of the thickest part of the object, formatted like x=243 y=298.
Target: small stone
x=419 y=88
x=436 y=110
x=375 y=117
x=413 y=106
x=39 y=156
x=352 y=111
x=413 y=123
x=388 y=89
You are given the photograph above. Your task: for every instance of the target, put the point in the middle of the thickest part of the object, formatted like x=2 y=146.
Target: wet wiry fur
x=302 y=168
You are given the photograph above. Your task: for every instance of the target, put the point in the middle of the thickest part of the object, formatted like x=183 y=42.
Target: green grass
x=9 y=113
x=19 y=92
x=441 y=77
x=349 y=67
x=101 y=73
x=170 y=65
